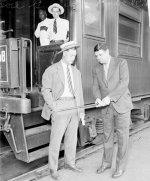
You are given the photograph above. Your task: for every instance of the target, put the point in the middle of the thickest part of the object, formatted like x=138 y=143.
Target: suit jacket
x=116 y=85
x=53 y=81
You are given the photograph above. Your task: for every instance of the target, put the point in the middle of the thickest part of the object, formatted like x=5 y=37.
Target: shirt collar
x=107 y=64
x=64 y=64
x=57 y=19
x=44 y=20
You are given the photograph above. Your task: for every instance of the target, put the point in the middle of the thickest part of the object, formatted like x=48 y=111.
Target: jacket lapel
x=61 y=72
x=74 y=78
x=102 y=74
x=111 y=68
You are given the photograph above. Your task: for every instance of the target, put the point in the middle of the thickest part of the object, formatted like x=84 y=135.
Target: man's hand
x=99 y=103
x=106 y=101
x=52 y=106
x=82 y=117
x=43 y=28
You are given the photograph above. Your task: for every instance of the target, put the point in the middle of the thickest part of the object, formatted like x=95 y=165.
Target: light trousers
x=65 y=124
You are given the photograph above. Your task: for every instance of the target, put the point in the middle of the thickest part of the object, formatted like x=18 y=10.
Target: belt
x=57 y=41
x=66 y=98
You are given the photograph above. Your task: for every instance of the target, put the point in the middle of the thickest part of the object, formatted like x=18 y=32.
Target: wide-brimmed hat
x=55 y=5
x=68 y=45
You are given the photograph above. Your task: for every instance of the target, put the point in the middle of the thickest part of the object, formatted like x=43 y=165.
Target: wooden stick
x=88 y=106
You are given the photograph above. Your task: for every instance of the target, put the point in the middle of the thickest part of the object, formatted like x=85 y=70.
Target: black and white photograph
x=74 y=90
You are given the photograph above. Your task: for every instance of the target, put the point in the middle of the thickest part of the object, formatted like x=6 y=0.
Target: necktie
x=55 y=26
x=69 y=81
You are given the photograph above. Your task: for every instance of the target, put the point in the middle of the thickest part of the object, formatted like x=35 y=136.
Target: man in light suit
x=110 y=89
x=62 y=89
x=59 y=29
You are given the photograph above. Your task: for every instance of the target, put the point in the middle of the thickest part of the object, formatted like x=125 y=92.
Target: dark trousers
x=121 y=122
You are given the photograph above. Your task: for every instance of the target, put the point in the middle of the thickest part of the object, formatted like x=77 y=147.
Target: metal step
x=41 y=153
x=37 y=136
x=38 y=154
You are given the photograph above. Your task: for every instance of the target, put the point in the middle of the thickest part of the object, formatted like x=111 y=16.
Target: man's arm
x=96 y=90
x=122 y=84
x=81 y=93
x=43 y=28
x=37 y=31
x=47 y=88
x=67 y=35
x=82 y=110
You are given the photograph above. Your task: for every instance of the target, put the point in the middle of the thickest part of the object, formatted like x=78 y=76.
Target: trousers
x=64 y=123
x=112 y=120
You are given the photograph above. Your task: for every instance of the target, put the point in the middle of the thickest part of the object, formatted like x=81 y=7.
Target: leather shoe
x=117 y=174
x=54 y=174
x=73 y=168
x=102 y=169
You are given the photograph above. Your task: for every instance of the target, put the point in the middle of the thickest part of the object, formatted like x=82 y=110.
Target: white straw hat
x=55 y=5
x=68 y=45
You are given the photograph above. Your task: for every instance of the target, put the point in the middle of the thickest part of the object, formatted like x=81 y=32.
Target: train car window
x=94 y=18
x=129 y=37
x=129 y=30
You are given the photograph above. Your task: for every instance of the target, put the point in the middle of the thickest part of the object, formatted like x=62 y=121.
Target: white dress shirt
x=62 y=29
x=66 y=92
x=42 y=34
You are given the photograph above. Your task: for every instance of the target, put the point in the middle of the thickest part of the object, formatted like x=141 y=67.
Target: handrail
x=31 y=76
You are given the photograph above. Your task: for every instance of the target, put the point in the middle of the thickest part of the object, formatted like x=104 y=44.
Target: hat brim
x=55 y=5
x=67 y=48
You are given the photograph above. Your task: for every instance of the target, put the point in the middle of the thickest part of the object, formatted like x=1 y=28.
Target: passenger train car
x=123 y=24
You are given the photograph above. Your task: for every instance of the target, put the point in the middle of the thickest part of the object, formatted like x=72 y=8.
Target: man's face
x=70 y=56
x=102 y=56
x=56 y=13
x=42 y=15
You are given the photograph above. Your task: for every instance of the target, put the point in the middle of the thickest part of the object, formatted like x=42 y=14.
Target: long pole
x=88 y=106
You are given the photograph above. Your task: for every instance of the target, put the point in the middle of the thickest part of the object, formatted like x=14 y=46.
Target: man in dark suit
x=62 y=89
x=110 y=89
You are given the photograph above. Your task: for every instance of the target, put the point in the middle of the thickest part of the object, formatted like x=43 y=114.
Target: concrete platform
x=138 y=167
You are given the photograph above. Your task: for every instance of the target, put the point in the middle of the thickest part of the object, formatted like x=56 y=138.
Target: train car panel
x=133 y=46
x=93 y=31
x=93 y=18
x=9 y=63
x=139 y=78
x=146 y=37
x=87 y=66
x=111 y=25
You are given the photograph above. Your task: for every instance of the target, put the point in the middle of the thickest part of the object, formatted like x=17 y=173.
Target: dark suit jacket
x=53 y=81
x=116 y=85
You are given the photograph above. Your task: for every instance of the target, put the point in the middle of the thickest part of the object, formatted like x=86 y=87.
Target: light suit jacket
x=115 y=86
x=53 y=81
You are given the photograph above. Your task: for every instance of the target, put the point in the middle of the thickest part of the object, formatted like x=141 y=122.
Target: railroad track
x=43 y=170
